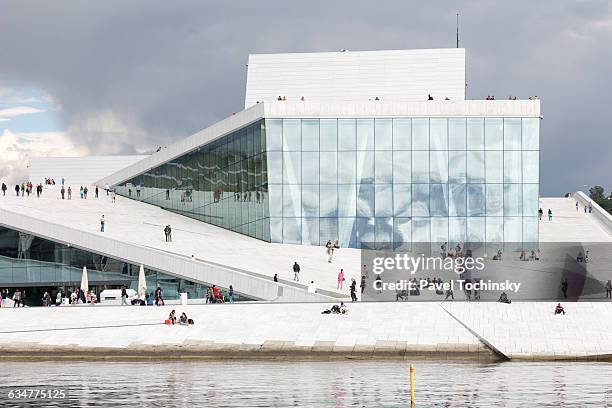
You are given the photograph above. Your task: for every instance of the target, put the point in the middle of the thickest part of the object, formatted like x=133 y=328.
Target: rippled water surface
x=307 y=384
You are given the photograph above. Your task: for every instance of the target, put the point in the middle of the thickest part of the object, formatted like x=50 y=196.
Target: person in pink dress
x=340 y=278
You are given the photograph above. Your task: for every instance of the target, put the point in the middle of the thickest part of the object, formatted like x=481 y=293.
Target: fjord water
x=348 y=383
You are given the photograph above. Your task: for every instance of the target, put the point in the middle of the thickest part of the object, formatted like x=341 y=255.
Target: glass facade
x=360 y=180
x=396 y=180
x=31 y=261
x=223 y=183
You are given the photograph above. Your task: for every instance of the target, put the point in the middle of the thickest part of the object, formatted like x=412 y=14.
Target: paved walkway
x=569 y=225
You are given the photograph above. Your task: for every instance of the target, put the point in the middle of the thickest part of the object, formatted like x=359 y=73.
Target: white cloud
x=18 y=148
x=6 y=114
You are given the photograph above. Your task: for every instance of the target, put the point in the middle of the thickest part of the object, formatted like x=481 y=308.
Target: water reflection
x=309 y=384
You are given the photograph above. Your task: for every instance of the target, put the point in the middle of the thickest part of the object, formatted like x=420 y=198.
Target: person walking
x=96 y=191
x=17 y=192
x=169 y=233
x=81 y=192
x=230 y=294
x=609 y=289
x=340 y=279
x=69 y=193
x=363 y=283
x=564 y=287
x=124 y=296
x=102 y=222
x=85 y=190
x=16 y=298
x=330 y=250
x=296 y=272
x=159 y=296
x=577 y=206
x=166 y=232
x=3 y=189
x=353 y=290
x=540 y=213
x=4 y=296
x=62 y=192
x=549 y=215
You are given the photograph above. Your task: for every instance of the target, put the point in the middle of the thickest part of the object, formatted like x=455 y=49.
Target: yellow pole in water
x=411 y=386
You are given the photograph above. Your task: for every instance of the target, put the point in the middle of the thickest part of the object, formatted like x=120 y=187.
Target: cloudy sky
x=113 y=77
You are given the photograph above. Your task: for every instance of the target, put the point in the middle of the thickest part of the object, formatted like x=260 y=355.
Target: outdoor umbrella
x=84 y=281
x=142 y=282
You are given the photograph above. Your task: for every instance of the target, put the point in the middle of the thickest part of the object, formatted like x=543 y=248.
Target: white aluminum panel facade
x=78 y=170
x=396 y=75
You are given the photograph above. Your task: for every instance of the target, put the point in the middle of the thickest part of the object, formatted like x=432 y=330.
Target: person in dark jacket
x=353 y=290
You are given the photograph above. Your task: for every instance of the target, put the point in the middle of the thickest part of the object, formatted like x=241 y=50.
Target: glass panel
x=402 y=230
x=384 y=167
x=365 y=167
x=275 y=167
x=329 y=134
x=420 y=200
x=310 y=231
x=384 y=200
x=513 y=229
x=439 y=229
x=475 y=200
x=438 y=194
x=274 y=134
x=494 y=167
x=347 y=200
x=512 y=134
x=457 y=230
x=365 y=200
x=420 y=230
x=530 y=229
x=347 y=171
x=383 y=134
x=456 y=134
x=365 y=134
x=438 y=134
x=475 y=133
x=329 y=201
x=476 y=229
x=402 y=134
x=310 y=201
x=329 y=168
x=420 y=134
x=531 y=167
x=346 y=232
x=275 y=196
x=292 y=200
x=457 y=199
x=401 y=200
x=494 y=132
x=292 y=135
x=292 y=230
x=292 y=167
x=475 y=167
x=513 y=200
x=310 y=135
x=365 y=230
x=346 y=134
x=402 y=168
x=531 y=133
x=328 y=230
x=384 y=230
x=310 y=167
x=276 y=230
x=438 y=166
x=530 y=199
x=420 y=167
x=457 y=166
x=495 y=229
x=495 y=199
x=512 y=167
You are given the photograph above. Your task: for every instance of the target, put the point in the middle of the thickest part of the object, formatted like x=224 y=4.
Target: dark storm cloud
x=134 y=75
